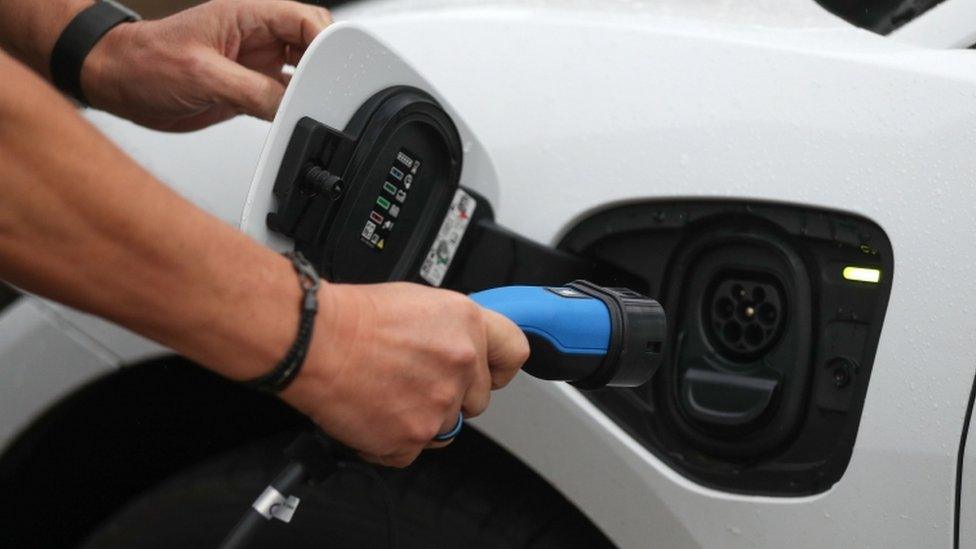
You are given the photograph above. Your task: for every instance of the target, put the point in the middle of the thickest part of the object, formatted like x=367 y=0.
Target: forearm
x=389 y=365
x=29 y=28
x=82 y=224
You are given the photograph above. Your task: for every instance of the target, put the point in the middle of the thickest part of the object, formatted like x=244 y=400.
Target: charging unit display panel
x=387 y=206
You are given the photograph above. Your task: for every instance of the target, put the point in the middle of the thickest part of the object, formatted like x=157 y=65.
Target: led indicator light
x=389 y=187
x=377 y=218
x=862 y=274
x=397 y=174
x=382 y=202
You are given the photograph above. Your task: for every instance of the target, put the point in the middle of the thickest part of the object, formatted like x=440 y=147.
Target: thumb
x=508 y=349
x=246 y=91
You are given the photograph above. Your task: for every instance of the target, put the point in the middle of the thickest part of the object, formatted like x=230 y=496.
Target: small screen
x=393 y=194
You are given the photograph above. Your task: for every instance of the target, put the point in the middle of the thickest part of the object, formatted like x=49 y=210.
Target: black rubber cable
x=292 y=476
x=314 y=458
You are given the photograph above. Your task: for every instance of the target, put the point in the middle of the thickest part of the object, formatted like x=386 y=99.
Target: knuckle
x=470 y=310
x=462 y=356
x=461 y=306
x=196 y=67
x=443 y=398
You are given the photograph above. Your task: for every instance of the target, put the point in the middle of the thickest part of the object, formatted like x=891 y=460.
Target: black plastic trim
x=880 y=16
x=8 y=296
x=644 y=240
x=960 y=458
x=638 y=334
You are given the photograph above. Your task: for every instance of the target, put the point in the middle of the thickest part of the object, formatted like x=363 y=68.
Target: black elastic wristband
x=78 y=39
x=287 y=369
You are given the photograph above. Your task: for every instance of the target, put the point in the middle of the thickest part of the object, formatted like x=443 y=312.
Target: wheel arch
x=127 y=431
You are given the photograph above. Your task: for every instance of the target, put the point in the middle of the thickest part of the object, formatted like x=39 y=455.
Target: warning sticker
x=448 y=239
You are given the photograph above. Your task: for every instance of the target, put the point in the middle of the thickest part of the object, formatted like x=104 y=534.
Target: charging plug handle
x=586 y=334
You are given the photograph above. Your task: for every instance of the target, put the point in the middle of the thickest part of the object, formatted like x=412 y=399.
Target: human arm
x=80 y=223
x=184 y=72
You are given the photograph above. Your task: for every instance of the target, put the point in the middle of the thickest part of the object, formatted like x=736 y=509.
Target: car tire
x=471 y=495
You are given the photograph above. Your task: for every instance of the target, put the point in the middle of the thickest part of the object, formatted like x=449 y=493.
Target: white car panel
x=578 y=112
x=43 y=360
x=578 y=108
x=948 y=24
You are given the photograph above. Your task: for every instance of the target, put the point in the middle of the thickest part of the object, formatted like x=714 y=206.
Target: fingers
x=446 y=427
x=293 y=55
x=405 y=458
x=477 y=394
x=507 y=348
x=284 y=78
x=438 y=444
x=292 y=22
x=248 y=91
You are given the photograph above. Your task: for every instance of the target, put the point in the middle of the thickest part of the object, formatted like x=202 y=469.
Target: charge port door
x=342 y=70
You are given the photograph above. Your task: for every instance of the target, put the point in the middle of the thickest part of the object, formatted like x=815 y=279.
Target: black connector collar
x=287 y=369
x=638 y=330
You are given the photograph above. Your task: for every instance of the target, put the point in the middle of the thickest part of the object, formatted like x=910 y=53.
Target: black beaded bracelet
x=287 y=369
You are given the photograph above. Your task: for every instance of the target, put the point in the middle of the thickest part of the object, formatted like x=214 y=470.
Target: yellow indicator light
x=862 y=274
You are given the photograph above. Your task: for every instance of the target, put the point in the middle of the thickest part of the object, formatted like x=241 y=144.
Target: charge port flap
x=343 y=67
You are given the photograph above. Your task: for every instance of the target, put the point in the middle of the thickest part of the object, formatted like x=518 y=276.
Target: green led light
x=389 y=187
x=383 y=203
x=862 y=274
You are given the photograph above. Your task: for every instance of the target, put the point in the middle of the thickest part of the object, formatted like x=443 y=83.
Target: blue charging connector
x=571 y=321
x=583 y=333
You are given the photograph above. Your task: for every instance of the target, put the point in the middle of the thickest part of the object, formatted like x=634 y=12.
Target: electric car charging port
x=747 y=313
x=736 y=386
x=769 y=347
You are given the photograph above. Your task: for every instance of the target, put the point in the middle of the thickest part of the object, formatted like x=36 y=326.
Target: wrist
x=261 y=324
x=286 y=369
x=106 y=69
x=336 y=330
x=237 y=316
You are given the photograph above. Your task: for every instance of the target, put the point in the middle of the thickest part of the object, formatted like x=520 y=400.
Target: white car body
x=568 y=108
